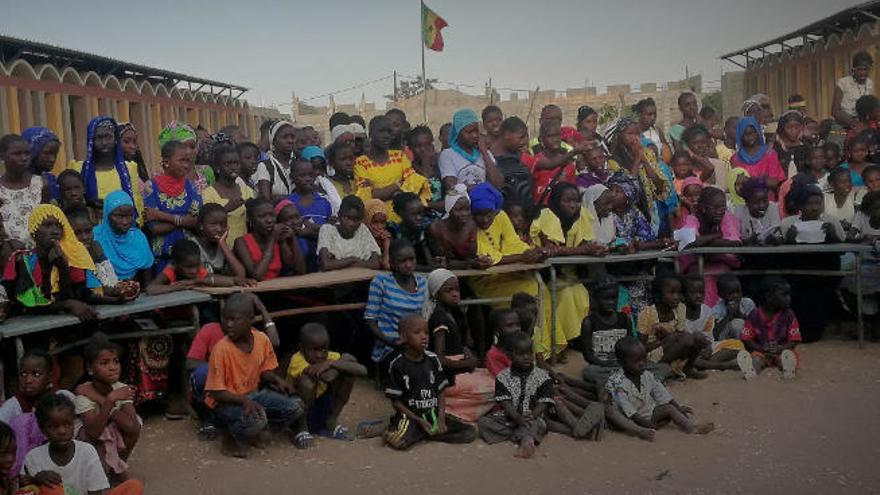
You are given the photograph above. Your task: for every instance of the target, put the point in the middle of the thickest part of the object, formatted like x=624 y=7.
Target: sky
x=277 y=47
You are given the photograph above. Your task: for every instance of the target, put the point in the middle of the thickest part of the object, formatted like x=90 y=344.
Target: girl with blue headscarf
x=754 y=156
x=43 y=146
x=465 y=161
x=124 y=245
x=104 y=169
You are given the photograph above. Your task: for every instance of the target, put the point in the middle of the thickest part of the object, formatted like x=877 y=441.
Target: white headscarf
x=603 y=228
x=280 y=170
x=436 y=279
x=339 y=130
x=452 y=196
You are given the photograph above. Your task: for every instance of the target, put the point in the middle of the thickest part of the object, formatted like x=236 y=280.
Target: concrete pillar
x=4 y=112
x=54 y=120
x=13 y=121
x=66 y=128
x=39 y=99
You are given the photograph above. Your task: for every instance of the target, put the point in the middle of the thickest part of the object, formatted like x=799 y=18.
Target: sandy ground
x=817 y=434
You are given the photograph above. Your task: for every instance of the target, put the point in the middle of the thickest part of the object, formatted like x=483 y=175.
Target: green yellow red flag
x=431 y=26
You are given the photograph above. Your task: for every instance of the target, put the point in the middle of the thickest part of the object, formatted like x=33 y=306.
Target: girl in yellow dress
x=565 y=229
x=497 y=240
x=383 y=172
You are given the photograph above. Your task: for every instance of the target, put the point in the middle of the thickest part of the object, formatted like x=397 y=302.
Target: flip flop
x=338 y=433
x=746 y=365
x=370 y=428
x=593 y=416
x=789 y=364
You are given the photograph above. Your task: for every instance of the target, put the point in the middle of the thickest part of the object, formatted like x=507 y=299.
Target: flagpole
x=424 y=77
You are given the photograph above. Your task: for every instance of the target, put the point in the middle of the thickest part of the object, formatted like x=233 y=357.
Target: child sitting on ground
x=415 y=384
x=105 y=406
x=731 y=310
x=524 y=391
x=187 y=271
x=502 y=323
x=771 y=332
x=375 y=219
x=602 y=328
x=34 y=382
x=759 y=217
x=211 y=235
x=349 y=243
x=65 y=465
x=661 y=328
x=470 y=393
x=393 y=296
x=197 y=363
x=642 y=398
x=238 y=364
x=700 y=322
x=323 y=379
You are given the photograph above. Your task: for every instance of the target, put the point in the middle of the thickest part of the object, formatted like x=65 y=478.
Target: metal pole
x=861 y=318
x=424 y=85
x=395 y=86
x=552 y=313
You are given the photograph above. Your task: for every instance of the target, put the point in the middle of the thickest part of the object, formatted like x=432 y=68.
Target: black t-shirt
x=799 y=154
x=416 y=383
x=453 y=323
x=607 y=333
x=517 y=179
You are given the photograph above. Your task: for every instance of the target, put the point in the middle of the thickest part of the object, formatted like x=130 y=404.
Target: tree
x=713 y=100
x=607 y=114
x=413 y=87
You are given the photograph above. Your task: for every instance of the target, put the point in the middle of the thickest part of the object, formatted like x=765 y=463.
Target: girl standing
x=201 y=176
x=104 y=169
x=754 y=156
x=20 y=189
x=273 y=174
x=131 y=151
x=229 y=191
x=173 y=204
x=43 y=145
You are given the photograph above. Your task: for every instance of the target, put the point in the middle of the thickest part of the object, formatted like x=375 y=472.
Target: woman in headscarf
x=383 y=172
x=646 y=110
x=104 y=168
x=58 y=275
x=565 y=228
x=497 y=239
x=273 y=174
x=597 y=199
x=43 y=146
x=124 y=245
x=201 y=176
x=633 y=159
x=632 y=230
x=790 y=150
x=472 y=392
x=754 y=156
x=131 y=151
x=467 y=161
x=452 y=240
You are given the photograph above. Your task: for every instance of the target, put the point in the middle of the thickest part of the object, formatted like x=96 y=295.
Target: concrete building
x=809 y=61
x=63 y=89
x=442 y=103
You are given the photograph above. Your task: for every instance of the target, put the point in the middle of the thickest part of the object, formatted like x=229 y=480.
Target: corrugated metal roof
x=840 y=22
x=35 y=52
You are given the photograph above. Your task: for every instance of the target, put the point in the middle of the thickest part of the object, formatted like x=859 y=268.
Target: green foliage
x=713 y=100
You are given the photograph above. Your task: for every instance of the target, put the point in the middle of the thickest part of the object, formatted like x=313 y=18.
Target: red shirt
x=205 y=341
x=496 y=360
x=543 y=177
x=171 y=275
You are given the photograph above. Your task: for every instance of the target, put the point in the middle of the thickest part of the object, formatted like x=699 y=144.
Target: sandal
x=207 y=432
x=370 y=428
x=338 y=433
x=303 y=440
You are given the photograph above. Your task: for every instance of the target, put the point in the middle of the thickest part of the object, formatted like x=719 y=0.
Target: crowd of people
x=221 y=211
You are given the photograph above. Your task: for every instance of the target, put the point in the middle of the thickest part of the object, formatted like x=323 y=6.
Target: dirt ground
x=819 y=433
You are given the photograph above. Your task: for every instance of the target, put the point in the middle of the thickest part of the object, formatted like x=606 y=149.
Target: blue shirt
x=388 y=303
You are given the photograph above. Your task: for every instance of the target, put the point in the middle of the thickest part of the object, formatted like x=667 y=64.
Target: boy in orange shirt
x=238 y=364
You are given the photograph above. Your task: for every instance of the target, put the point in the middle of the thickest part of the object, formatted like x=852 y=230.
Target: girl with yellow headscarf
x=58 y=274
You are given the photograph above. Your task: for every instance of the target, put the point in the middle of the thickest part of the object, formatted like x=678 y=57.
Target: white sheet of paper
x=685 y=236
x=810 y=232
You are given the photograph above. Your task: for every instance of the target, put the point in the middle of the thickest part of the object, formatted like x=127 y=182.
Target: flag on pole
x=431 y=26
